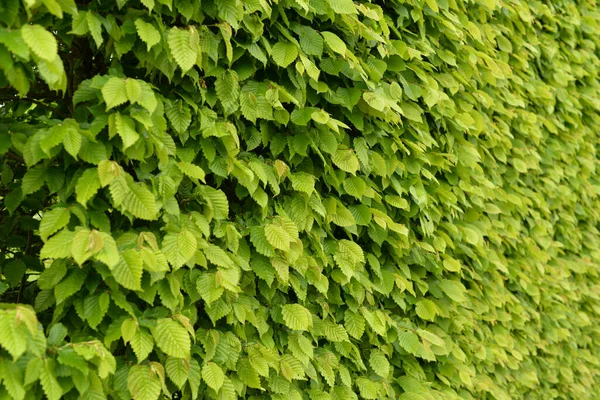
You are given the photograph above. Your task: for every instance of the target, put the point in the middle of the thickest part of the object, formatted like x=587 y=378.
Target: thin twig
x=14 y=156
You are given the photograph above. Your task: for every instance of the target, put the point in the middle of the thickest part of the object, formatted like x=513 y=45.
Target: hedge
x=299 y=199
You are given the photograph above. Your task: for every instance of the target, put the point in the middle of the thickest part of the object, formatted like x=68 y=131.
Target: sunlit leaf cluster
x=299 y=199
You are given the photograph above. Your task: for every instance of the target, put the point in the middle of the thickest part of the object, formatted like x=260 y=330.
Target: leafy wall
x=299 y=199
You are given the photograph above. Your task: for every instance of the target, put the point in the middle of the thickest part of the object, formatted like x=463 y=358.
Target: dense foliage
x=299 y=199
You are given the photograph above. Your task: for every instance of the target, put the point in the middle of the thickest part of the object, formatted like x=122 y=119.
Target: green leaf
x=303 y=182
x=125 y=127
x=119 y=189
x=79 y=26
x=128 y=271
x=349 y=252
x=178 y=370
x=194 y=377
x=95 y=26
x=454 y=289
x=260 y=242
x=13 y=379
x=296 y=317
x=13 y=40
x=426 y=309
x=284 y=53
x=433 y=5
x=452 y=265
x=354 y=324
x=191 y=170
x=228 y=88
x=142 y=344
x=14 y=271
x=431 y=337
x=114 y=92
x=53 y=221
x=311 y=41
x=41 y=42
x=68 y=6
x=346 y=160
x=248 y=103
x=334 y=42
x=72 y=141
x=355 y=187
x=87 y=186
x=5 y=143
x=367 y=388
x=412 y=111
x=95 y=308
x=32 y=372
x=140 y=202
x=311 y=69
x=183 y=48
x=108 y=171
x=44 y=300
x=52 y=275
x=334 y=332
x=342 y=6
x=109 y=254
x=256 y=52
x=33 y=180
x=342 y=216
x=50 y=385
x=129 y=327
x=227 y=391
x=216 y=201
x=218 y=256
x=263 y=269
x=409 y=341
x=68 y=357
x=379 y=363
x=143 y=383
x=375 y=320
x=13 y=337
x=70 y=285
x=147 y=98
x=247 y=374
x=148 y=3
x=17 y=78
x=172 y=338
x=179 y=115
x=213 y=375
x=398 y=202
x=133 y=89
x=230 y=11
x=13 y=200
x=208 y=289
x=147 y=32
x=179 y=248
x=320 y=117
x=277 y=237
x=58 y=246
x=86 y=243
x=55 y=136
